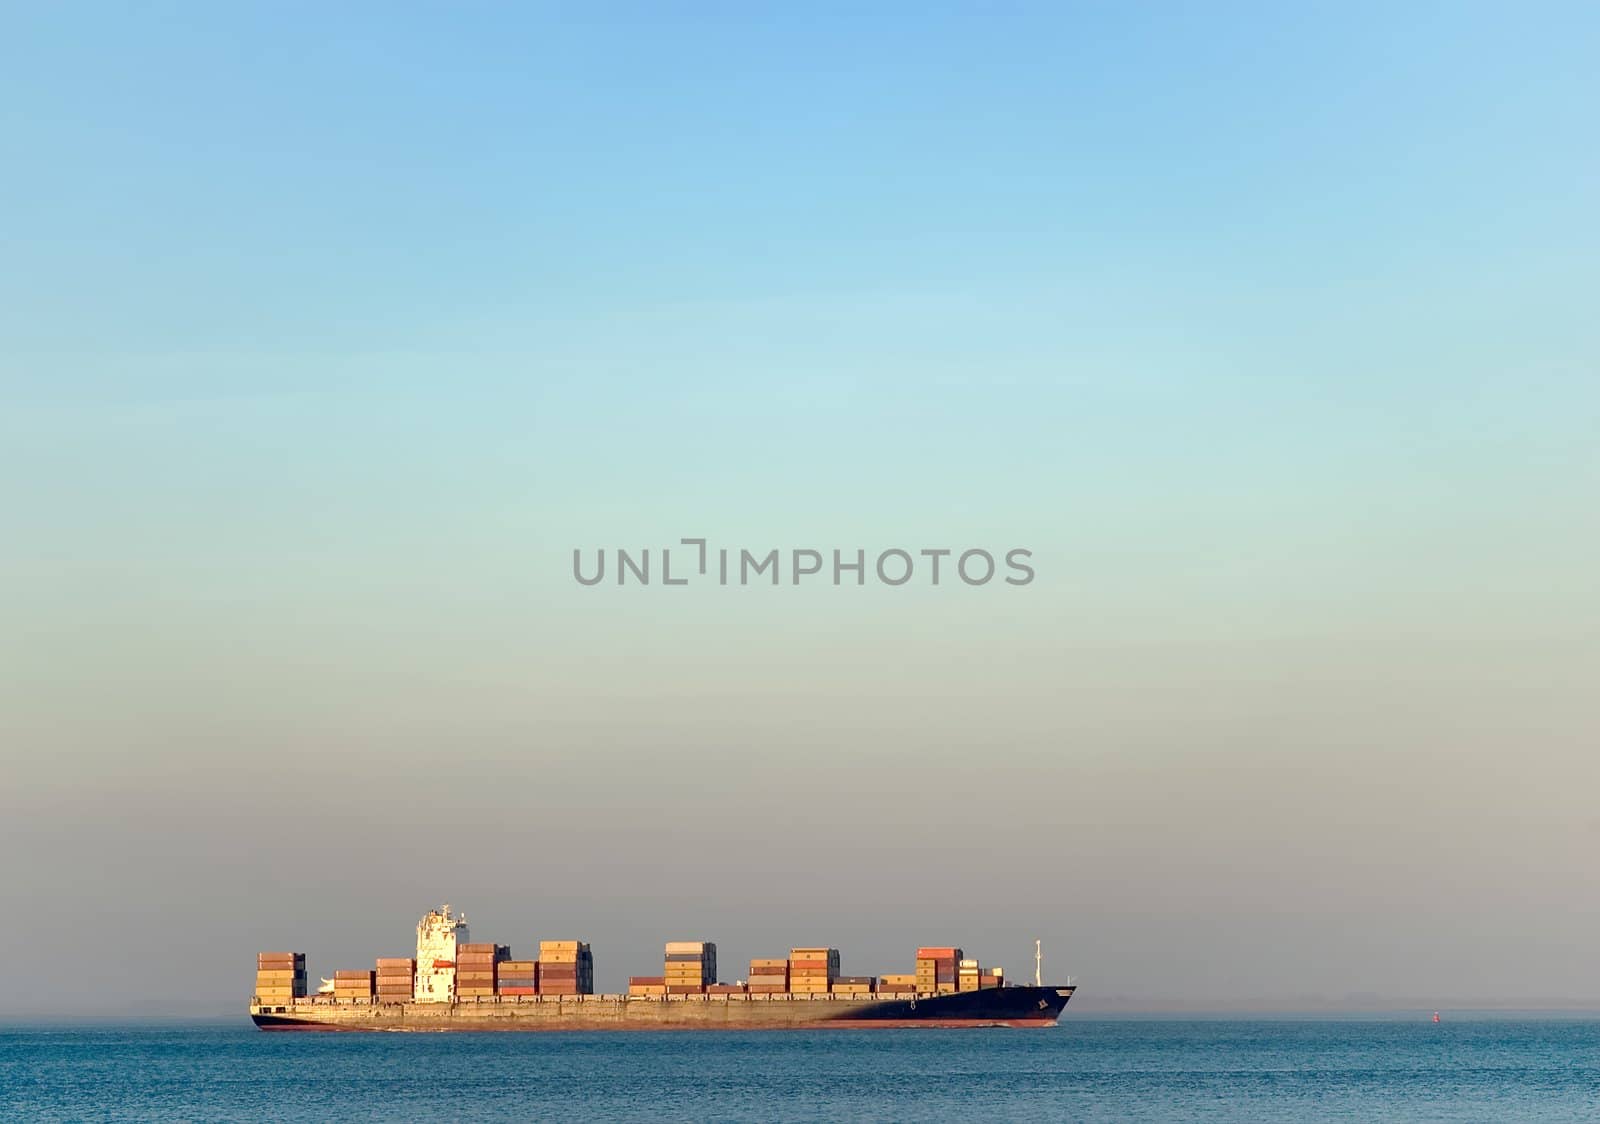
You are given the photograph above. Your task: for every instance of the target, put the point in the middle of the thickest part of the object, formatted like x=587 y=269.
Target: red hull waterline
x=279 y=1025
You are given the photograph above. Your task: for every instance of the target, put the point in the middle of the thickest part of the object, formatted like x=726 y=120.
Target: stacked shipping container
x=353 y=984
x=565 y=968
x=936 y=969
x=280 y=977
x=812 y=970
x=652 y=986
x=517 y=977
x=690 y=966
x=893 y=984
x=476 y=964
x=769 y=977
x=396 y=978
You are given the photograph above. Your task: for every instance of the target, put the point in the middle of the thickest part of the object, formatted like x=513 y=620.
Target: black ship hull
x=990 y=1007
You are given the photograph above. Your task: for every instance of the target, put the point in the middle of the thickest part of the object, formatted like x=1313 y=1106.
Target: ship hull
x=990 y=1007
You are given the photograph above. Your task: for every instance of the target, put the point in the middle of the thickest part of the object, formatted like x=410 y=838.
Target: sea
x=1280 y=1069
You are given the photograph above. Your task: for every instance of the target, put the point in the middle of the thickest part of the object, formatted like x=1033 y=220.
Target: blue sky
x=436 y=177
x=1303 y=222
x=326 y=335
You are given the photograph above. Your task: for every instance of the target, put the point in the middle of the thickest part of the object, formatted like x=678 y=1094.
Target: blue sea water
x=1090 y=1069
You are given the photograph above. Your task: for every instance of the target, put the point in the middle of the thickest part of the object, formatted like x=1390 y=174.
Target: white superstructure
x=438 y=934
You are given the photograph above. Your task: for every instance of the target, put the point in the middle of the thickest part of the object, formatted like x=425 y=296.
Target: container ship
x=455 y=983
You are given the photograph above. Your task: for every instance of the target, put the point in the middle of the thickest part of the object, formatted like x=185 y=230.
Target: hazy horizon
x=328 y=336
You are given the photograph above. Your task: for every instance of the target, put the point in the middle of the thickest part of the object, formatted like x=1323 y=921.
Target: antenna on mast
x=1038 y=962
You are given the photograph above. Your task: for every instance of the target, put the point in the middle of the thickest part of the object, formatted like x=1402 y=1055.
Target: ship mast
x=1038 y=963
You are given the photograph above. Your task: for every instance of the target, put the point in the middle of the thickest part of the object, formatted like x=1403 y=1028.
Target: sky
x=327 y=336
